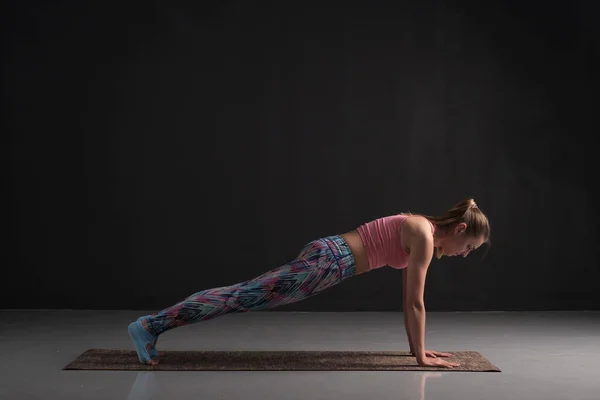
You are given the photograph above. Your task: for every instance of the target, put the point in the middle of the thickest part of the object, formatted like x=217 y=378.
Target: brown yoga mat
x=103 y=359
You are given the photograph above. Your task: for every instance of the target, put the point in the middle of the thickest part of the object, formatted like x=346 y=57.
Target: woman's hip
x=329 y=252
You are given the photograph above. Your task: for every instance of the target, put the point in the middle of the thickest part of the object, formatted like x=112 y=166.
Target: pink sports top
x=383 y=243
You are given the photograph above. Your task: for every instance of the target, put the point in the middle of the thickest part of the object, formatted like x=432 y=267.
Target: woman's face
x=457 y=243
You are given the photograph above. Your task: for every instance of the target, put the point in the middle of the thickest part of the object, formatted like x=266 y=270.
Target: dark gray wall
x=158 y=149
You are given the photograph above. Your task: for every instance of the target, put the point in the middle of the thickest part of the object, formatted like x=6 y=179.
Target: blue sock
x=140 y=337
x=153 y=351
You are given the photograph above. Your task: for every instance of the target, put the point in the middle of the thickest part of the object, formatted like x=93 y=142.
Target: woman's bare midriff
x=358 y=251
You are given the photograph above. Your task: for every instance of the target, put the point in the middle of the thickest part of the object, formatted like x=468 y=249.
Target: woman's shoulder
x=416 y=225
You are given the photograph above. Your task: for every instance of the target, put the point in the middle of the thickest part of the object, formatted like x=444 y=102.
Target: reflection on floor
x=542 y=355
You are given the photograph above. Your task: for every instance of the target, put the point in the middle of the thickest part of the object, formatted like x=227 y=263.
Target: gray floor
x=542 y=355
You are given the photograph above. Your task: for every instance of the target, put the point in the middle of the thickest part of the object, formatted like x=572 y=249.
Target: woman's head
x=462 y=229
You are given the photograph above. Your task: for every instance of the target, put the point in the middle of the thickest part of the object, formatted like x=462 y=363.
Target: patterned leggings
x=321 y=264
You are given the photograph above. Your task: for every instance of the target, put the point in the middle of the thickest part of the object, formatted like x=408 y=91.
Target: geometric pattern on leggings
x=314 y=270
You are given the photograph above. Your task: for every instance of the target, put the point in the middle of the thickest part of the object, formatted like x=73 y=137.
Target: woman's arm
x=420 y=242
x=405 y=310
x=417 y=236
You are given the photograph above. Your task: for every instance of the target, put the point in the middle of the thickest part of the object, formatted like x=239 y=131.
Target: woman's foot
x=153 y=352
x=144 y=342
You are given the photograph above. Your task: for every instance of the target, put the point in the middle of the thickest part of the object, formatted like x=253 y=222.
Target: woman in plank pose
x=402 y=241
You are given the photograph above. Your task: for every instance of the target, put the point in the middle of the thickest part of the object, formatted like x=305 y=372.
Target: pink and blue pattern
x=320 y=265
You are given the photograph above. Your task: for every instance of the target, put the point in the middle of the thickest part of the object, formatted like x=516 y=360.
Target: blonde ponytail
x=466 y=211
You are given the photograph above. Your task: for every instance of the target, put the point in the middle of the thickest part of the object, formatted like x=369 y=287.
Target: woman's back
x=381 y=243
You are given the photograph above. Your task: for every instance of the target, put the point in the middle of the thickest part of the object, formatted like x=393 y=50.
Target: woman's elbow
x=416 y=305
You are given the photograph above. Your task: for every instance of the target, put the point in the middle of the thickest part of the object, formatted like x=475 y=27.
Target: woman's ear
x=460 y=228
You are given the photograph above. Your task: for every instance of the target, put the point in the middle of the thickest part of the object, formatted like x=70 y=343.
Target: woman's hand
x=433 y=354
x=436 y=362
x=432 y=359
